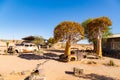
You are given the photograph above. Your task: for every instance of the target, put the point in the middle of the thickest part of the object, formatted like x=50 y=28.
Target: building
x=112 y=42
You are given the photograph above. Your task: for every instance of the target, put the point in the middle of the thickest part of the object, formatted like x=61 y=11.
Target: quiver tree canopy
x=97 y=24
x=97 y=27
x=67 y=30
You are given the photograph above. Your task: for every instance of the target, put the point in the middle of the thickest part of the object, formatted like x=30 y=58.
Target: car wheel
x=72 y=59
x=16 y=52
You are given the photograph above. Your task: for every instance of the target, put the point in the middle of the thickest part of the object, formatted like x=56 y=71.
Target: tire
x=72 y=59
x=16 y=52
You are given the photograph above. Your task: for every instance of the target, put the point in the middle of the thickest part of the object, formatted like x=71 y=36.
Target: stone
x=77 y=71
x=23 y=73
x=37 y=75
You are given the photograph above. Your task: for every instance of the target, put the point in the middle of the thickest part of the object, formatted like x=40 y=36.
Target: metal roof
x=28 y=38
x=114 y=36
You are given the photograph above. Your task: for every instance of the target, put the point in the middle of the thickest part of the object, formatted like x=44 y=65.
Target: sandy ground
x=11 y=67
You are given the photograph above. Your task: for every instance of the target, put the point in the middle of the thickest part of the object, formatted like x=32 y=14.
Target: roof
x=28 y=38
x=114 y=36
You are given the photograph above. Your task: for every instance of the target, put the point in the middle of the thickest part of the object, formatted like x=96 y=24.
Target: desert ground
x=19 y=67
x=12 y=66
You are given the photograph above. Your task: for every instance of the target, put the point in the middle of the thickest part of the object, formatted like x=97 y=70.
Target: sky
x=21 y=18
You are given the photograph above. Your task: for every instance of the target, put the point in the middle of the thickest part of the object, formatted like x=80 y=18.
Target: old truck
x=76 y=55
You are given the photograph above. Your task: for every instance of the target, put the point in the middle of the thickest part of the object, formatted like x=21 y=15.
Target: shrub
x=91 y=62
x=111 y=63
x=39 y=51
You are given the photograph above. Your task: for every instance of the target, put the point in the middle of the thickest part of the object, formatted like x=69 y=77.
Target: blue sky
x=21 y=18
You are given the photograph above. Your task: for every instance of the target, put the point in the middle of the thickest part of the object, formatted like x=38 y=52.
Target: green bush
x=39 y=51
x=91 y=62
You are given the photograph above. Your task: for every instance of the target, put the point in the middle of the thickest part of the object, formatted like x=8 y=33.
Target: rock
x=23 y=73
x=37 y=75
x=77 y=71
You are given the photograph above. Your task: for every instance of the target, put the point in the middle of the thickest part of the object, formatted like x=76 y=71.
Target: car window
x=26 y=45
x=22 y=44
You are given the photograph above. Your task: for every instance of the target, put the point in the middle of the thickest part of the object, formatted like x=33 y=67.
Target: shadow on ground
x=51 y=55
x=69 y=72
x=27 y=78
x=31 y=56
x=58 y=51
x=91 y=76
x=111 y=53
x=38 y=57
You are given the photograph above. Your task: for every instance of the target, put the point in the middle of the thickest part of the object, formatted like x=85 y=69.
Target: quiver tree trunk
x=95 y=46
x=67 y=48
x=99 y=47
x=7 y=44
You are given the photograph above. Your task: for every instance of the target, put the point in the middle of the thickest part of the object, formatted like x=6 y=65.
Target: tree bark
x=67 y=48
x=7 y=44
x=99 y=47
x=95 y=46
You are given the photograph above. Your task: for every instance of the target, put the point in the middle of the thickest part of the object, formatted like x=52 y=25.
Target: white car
x=24 y=48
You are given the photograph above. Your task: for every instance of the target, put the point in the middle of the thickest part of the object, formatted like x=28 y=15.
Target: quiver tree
x=68 y=32
x=88 y=36
x=51 y=40
x=84 y=24
x=7 y=44
x=97 y=27
x=38 y=40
